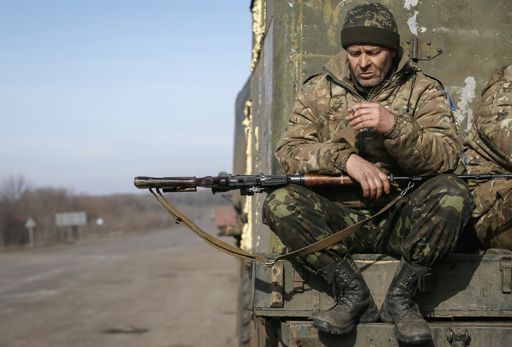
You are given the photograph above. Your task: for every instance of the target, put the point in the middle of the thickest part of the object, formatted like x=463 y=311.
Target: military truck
x=461 y=42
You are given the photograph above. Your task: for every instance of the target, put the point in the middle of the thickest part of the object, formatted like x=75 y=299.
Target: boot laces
x=413 y=282
x=345 y=289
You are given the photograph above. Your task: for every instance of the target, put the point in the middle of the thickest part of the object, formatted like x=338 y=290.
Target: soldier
x=489 y=150
x=368 y=114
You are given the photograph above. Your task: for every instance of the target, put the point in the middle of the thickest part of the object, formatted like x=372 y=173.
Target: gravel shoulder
x=162 y=288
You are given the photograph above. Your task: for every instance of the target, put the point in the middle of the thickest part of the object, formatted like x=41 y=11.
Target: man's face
x=370 y=64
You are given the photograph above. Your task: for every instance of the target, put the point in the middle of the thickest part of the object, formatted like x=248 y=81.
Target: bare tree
x=12 y=190
x=113 y=213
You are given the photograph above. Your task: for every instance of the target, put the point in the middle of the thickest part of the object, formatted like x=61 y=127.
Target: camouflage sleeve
x=426 y=143
x=302 y=149
x=494 y=117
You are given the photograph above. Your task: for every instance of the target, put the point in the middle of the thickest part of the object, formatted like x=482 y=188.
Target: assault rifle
x=251 y=184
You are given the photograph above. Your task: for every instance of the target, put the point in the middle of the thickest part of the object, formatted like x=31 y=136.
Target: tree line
x=105 y=214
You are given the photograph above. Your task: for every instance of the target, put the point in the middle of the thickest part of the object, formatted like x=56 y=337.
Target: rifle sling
x=242 y=254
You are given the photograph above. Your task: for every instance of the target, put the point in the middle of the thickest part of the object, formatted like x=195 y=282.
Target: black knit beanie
x=371 y=24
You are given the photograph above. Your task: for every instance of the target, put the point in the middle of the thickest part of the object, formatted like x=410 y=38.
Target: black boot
x=354 y=302
x=399 y=307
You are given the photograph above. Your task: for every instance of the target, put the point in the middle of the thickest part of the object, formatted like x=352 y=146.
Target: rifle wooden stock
x=314 y=180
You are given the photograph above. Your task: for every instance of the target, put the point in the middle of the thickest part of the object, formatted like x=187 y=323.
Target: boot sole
x=412 y=340
x=369 y=316
x=331 y=329
x=386 y=317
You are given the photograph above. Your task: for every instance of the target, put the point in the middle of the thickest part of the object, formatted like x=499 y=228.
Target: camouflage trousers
x=421 y=227
x=492 y=216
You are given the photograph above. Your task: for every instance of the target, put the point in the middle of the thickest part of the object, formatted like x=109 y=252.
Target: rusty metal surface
x=277 y=285
x=480 y=334
x=300 y=36
x=296 y=303
x=462 y=285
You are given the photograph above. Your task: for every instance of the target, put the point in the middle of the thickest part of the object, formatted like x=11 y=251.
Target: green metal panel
x=475 y=334
x=302 y=35
x=462 y=285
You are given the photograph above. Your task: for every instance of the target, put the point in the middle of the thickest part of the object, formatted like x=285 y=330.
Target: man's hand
x=366 y=115
x=372 y=180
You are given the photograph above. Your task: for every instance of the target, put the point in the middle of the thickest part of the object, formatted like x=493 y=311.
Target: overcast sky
x=95 y=92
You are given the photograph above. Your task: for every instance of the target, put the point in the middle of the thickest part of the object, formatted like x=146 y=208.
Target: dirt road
x=162 y=289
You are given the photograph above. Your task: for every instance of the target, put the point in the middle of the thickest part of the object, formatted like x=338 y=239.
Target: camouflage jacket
x=489 y=142
x=318 y=138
